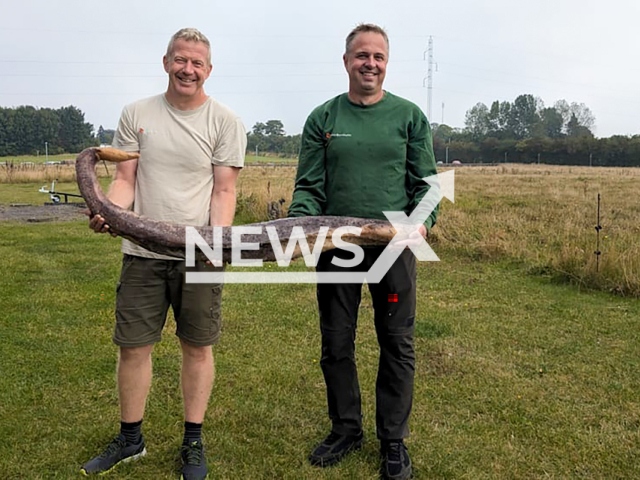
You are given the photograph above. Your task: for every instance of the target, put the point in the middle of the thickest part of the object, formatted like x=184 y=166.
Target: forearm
x=306 y=202
x=223 y=207
x=122 y=193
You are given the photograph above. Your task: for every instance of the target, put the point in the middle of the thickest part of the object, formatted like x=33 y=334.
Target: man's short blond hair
x=364 y=28
x=190 y=35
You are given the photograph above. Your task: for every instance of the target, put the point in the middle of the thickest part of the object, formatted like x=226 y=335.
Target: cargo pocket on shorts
x=127 y=260
x=216 y=310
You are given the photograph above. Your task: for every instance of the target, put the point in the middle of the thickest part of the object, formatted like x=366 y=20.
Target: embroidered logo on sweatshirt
x=329 y=135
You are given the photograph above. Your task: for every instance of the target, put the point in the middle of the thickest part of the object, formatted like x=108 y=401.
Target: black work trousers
x=394 y=304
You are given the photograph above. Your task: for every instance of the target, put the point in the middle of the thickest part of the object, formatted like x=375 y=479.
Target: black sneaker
x=334 y=448
x=116 y=452
x=396 y=464
x=194 y=465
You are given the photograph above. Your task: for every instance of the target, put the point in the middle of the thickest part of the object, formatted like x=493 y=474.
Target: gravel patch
x=42 y=213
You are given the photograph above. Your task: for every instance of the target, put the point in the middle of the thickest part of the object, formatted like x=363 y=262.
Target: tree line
x=526 y=131
x=270 y=137
x=522 y=131
x=27 y=130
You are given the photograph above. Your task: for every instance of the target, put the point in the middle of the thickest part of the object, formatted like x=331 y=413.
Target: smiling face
x=188 y=68
x=366 y=64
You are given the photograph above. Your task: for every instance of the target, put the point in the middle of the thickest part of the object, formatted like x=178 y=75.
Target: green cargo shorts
x=147 y=288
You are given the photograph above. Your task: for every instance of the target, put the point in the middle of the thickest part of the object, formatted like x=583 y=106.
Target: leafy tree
x=476 y=121
x=551 y=122
x=493 y=120
x=445 y=132
x=564 y=109
x=274 y=128
x=74 y=134
x=291 y=145
x=271 y=137
x=583 y=115
x=25 y=130
x=575 y=129
x=523 y=116
x=25 y=121
x=8 y=132
x=105 y=137
x=259 y=129
x=507 y=146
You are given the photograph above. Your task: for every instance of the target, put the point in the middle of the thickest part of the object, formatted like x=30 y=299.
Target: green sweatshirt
x=359 y=160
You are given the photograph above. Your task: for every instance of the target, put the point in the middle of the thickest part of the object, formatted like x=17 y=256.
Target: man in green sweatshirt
x=365 y=152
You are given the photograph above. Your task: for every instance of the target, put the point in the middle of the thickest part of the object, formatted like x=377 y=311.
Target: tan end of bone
x=382 y=234
x=114 y=155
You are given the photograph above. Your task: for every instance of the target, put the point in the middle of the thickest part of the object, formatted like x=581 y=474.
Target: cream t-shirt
x=178 y=152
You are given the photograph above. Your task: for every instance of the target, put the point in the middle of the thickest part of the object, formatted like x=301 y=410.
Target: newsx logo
x=442 y=186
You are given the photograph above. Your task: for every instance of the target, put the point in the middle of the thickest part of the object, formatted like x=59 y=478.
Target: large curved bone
x=169 y=238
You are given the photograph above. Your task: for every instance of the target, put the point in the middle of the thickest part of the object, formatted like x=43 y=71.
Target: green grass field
x=38 y=159
x=522 y=371
x=518 y=377
x=28 y=192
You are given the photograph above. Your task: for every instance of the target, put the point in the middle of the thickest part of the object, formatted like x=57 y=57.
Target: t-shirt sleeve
x=231 y=144
x=126 y=137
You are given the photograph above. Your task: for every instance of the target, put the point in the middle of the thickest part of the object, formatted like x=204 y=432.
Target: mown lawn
x=517 y=377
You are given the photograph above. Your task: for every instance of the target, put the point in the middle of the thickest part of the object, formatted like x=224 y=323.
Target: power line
x=91 y=62
x=523 y=76
x=167 y=34
x=261 y=75
x=523 y=51
x=538 y=87
x=476 y=95
x=213 y=92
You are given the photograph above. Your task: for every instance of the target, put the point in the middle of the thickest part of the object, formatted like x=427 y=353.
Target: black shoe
x=334 y=448
x=194 y=465
x=117 y=451
x=396 y=464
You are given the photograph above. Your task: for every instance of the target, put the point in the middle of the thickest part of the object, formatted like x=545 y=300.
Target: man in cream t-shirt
x=191 y=151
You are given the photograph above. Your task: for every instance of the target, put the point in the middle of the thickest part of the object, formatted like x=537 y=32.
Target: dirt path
x=42 y=213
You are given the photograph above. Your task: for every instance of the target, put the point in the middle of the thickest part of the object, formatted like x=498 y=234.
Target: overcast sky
x=279 y=59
